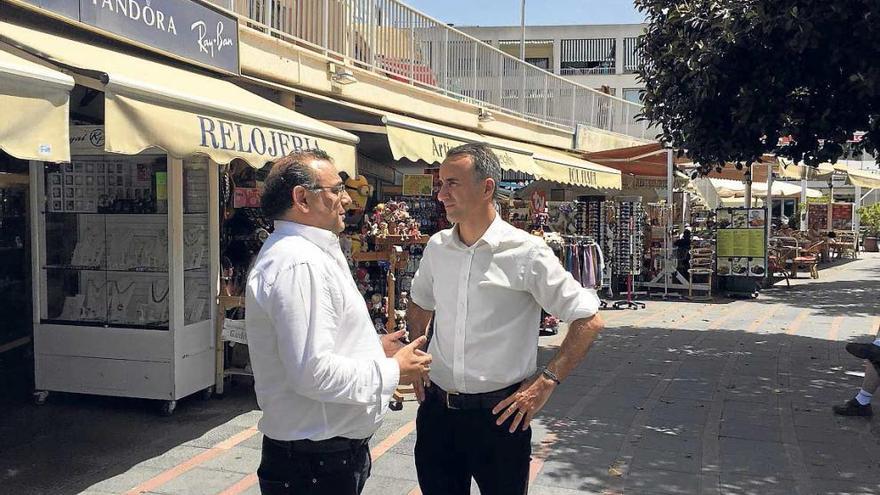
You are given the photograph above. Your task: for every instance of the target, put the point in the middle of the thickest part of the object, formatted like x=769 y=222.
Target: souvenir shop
x=122 y=156
x=644 y=251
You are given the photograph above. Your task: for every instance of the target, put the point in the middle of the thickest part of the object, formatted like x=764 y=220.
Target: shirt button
x=314 y=480
x=320 y=463
x=286 y=485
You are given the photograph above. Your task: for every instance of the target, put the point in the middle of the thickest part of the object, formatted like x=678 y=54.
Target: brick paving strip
x=375 y=453
x=172 y=473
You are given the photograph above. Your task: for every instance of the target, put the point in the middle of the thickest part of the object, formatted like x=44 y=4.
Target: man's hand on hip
x=525 y=403
x=414 y=363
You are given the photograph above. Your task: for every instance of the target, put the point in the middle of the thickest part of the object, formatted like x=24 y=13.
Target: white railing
x=389 y=37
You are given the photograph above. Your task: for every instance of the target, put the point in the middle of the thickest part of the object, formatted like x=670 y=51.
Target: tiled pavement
x=725 y=398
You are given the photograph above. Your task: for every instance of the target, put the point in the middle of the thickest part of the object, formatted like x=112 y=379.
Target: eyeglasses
x=337 y=189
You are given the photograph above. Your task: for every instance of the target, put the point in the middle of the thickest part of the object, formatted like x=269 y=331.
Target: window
x=633 y=94
x=588 y=56
x=632 y=55
x=541 y=63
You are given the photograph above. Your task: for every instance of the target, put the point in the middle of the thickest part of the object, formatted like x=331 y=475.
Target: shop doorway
x=16 y=329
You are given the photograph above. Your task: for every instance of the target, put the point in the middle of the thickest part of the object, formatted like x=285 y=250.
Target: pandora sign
x=185 y=28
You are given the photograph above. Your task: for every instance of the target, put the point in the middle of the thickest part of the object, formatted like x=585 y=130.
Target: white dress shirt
x=319 y=367
x=487 y=301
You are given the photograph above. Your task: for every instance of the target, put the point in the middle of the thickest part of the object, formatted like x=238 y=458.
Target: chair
x=807 y=260
x=776 y=266
x=844 y=244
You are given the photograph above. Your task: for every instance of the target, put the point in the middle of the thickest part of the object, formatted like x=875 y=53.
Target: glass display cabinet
x=125 y=276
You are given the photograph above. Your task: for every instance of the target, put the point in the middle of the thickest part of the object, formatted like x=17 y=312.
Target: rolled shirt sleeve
x=555 y=289
x=302 y=306
x=422 y=287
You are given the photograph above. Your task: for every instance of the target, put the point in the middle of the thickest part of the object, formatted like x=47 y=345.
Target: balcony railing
x=391 y=38
x=587 y=71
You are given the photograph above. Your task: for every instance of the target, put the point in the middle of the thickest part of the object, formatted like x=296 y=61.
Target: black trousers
x=286 y=471
x=454 y=445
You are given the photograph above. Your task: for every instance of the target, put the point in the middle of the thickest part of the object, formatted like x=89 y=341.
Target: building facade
x=603 y=57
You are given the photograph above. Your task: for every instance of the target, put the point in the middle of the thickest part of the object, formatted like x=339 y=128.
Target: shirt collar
x=493 y=235
x=322 y=238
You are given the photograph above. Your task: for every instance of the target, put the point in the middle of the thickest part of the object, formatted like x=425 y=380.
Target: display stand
x=395 y=256
x=228 y=331
x=668 y=277
x=125 y=265
x=633 y=265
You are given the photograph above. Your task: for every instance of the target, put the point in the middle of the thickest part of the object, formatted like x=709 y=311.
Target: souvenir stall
x=125 y=230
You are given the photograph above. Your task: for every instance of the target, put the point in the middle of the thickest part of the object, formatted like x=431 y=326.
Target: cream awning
x=594 y=140
x=564 y=168
x=414 y=139
x=35 y=102
x=863 y=178
x=150 y=104
x=824 y=171
x=417 y=140
x=727 y=188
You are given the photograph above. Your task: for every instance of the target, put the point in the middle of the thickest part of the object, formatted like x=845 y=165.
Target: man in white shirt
x=322 y=377
x=484 y=283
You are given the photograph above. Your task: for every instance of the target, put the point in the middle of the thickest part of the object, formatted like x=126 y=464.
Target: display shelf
x=100 y=269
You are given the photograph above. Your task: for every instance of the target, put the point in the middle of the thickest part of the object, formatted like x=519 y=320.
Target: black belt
x=486 y=400
x=335 y=444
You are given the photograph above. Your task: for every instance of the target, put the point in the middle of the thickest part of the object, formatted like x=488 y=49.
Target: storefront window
x=106 y=242
x=197 y=279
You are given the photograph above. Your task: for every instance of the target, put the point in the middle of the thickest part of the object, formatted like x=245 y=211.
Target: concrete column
x=618 y=58
x=556 y=66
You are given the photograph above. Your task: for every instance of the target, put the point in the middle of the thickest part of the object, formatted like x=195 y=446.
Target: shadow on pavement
x=659 y=411
x=76 y=441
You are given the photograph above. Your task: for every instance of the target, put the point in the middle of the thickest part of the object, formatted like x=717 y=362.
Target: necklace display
x=119 y=300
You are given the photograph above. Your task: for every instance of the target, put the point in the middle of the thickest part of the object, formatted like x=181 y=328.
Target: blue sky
x=538 y=12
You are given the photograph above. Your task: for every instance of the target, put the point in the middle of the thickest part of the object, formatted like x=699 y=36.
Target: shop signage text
x=221 y=134
x=441 y=147
x=86 y=139
x=582 y=176
x=184 y=28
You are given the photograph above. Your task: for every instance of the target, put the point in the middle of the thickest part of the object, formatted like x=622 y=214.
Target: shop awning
x=35 y=102
x=594 y=140
x=150 y=104
x=726 y=188
x=559 y=166
x=823 y=171
x=646 y=160
x=417 y=140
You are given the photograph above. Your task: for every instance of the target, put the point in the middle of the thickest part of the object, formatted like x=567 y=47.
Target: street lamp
x=522 y=31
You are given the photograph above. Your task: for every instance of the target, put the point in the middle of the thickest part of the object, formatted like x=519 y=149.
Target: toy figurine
x=383 y=230
x=414 y=231
x=378 y=213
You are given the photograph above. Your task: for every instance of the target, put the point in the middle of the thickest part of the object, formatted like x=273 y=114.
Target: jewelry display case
x=125 y=276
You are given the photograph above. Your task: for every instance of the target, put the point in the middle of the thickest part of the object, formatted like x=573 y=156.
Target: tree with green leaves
x=726 y=79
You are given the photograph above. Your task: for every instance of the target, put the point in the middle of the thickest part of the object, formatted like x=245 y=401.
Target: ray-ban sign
x=183 y=28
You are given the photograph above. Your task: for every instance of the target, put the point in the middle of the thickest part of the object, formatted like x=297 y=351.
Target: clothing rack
x=591 y=260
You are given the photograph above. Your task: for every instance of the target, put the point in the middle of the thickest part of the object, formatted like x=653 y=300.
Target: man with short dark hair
x=322 y=377
x=484 y=283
